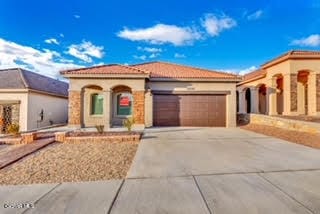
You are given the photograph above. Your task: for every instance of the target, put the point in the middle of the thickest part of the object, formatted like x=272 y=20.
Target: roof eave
x=252 y=79
x=289 y=57
x=111 y=76
x=161 y=79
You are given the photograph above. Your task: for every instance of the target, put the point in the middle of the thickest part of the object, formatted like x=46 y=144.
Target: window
x=96 y=104
x=124 y=104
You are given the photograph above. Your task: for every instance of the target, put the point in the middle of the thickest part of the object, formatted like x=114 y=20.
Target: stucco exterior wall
x=201 y=86
x=54 y=108
x=293 y=91
x=23 y=112
x=107 y=84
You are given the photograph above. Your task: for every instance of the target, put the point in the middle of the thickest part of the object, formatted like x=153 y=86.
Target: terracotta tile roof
x=254 y=74
x=17 y=78
x=105 y=69
x=169 y=70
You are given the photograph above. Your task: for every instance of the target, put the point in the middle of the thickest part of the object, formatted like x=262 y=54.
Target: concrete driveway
x=192 y=170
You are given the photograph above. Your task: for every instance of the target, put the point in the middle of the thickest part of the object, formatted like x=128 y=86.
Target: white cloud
x=142 y=57
x=85 y=51
x=240 y=71
x=154 y=55
x=214 y=25
x=177 y=55
x=46 y=62
x=256 y=15
x=312 y=41
x=52 y=41
x=76 y=16
x=161 y=34
x=61 y=35
x=150 y=50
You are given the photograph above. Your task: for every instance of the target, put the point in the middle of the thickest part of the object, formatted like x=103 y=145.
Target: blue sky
x=236 y=36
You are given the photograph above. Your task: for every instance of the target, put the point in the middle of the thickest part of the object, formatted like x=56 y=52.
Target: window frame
x=116 y=105
x=92 y=104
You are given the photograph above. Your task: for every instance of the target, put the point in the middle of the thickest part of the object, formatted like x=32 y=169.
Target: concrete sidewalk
x=191 y=170
x=281 y=192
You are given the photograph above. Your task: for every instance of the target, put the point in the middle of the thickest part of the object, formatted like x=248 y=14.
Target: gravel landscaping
x=304 y=138
x=72 y=162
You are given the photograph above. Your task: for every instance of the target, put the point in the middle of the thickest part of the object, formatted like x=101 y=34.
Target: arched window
x=96 y=104
x=124 y=104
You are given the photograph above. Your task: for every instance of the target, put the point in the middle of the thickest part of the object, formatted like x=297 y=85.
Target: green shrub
x=100 y=128
x=13 y=129
x=128 y=123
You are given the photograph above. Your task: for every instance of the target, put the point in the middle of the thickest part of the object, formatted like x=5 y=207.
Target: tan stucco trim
x=251 y=80
x=191 y=92
x=287 y=57
x=107 y=76
x=9 y=90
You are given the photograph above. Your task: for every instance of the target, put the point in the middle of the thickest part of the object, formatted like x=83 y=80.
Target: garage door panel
x=189 y=110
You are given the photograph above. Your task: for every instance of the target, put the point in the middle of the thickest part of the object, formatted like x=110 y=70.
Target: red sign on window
x=124 y=101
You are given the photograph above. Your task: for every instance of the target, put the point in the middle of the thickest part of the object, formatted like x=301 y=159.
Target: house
x=31 y=100
x=154 y=94
x=287 y=85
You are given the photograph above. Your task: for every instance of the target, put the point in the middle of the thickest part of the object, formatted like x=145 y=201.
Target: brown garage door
x=189 y=110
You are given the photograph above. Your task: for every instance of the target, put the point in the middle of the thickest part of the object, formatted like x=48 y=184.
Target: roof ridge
x=21 y=73
x=137 y=69
x=194 y=67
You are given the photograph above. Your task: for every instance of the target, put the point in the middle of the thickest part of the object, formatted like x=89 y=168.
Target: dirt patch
x=304 y=138
x=72 y=162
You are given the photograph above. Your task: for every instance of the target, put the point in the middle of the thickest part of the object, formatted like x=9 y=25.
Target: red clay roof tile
x=170 y=70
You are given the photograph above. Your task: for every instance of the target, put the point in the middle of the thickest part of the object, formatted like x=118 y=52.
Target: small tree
x=128 y=123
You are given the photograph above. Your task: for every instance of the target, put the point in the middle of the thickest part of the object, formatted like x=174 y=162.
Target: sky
x=233 y=36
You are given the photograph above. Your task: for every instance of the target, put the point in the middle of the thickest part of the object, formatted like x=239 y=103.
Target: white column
x=312 y=94
x=107 y=108
x=272 y=97
x=254 y=92
x=242 y=102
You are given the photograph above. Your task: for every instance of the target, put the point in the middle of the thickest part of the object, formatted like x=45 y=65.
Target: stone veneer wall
x=293 y=92
x=74 y=108
x=138 y=106
x=295 y=125
x=318 y=92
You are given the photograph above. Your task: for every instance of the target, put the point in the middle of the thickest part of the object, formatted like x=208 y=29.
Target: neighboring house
x=154 y=94
x=286 y=85
x=31 y=100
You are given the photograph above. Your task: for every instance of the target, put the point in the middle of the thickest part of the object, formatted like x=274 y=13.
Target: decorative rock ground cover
x=69 y=162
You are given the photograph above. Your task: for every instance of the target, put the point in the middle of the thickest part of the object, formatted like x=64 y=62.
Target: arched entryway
x=122 y=104
x=93 y=107
x=262 y=89
x=248 y=100
x=302 y=78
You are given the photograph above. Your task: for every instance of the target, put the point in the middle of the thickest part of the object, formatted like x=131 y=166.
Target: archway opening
x=262 y=99
x=237 y=100
x=248 y=100
x=93 y=108
x=122 y=104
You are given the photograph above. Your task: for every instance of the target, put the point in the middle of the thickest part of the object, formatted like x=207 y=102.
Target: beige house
x=286 y=85
x=154 y=94
x=31 y=100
